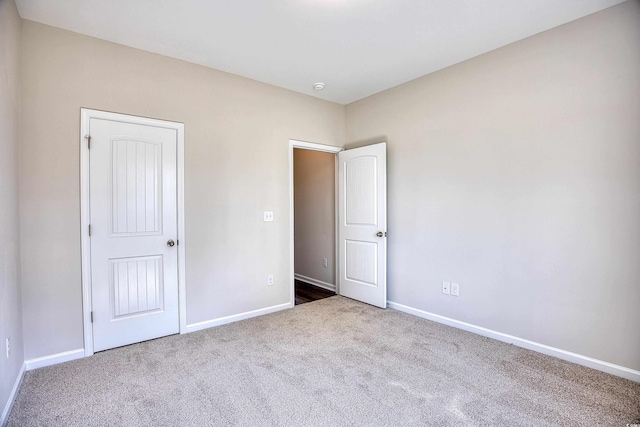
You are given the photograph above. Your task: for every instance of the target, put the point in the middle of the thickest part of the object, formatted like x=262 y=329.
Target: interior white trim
x=12 y=396
x=86 y=116
x=182 y=255
x=579 y=359
x=235 y=317
x=54 y=359
x=336 y=250
x=84 y=239
x=315 y=282
x=293 y=143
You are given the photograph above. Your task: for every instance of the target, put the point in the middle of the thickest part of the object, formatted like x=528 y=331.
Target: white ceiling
x=356 y=47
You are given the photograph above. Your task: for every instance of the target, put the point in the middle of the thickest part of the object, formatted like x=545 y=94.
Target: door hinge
x=92 y=317
x=88 y=138
x=89 y=230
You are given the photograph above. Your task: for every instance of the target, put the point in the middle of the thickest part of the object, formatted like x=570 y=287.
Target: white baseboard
x=315 y=282
x=12 y=397
x=579 y=359
x=54 y=359
x=236 y=317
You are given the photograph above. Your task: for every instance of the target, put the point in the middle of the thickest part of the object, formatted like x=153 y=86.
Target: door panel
x=136 y=285
x=133 y=210
x=361 y=262
x=360 y=184
x=362 y=214
x=136 y=180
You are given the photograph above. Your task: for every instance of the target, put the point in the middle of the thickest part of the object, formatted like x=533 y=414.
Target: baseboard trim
x=315 y=282
x=579 y=359
x=236 y=317
x=54 y=359
x=12 y=396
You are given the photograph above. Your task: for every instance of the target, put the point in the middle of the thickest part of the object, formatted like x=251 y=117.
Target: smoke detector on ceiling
x=318 y=86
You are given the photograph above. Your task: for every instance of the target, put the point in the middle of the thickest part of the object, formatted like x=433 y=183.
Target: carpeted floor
x=326 y=363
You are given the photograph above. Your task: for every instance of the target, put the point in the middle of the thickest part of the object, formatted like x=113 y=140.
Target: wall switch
x=325 y=262
x=268 y=216
x=446 y=288
x=8 y=348
x=270 y=280
x=455 y=289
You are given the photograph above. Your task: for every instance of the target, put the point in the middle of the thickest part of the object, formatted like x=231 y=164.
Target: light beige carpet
x=332 y=362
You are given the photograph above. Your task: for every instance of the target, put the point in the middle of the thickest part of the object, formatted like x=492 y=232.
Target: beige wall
x=517 y=175
x=315 y=212
x=237 y=135
x=10 y=306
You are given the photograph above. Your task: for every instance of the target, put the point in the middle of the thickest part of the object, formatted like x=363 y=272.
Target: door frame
x=293 y=143
x=86 y=115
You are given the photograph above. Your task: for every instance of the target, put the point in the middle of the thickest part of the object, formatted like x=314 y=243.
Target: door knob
x=379 y=234
x=170 y=243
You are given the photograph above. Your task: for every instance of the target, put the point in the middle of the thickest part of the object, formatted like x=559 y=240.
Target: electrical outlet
x=455 y=289
x=325 y=262
x=270 y=280
x=268 y=216
x=446 y=288
x=8 y=348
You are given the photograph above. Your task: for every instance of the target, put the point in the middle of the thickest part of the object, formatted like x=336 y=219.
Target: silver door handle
x=379 y=234
x=170 y=243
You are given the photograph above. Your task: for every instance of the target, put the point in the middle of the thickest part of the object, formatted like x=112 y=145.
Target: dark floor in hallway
x=306 y=292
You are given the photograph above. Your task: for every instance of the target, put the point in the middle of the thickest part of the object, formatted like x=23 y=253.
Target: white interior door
x=362 y=215
x=133 y=216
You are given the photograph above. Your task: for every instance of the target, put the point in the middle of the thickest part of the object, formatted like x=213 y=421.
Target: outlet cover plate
x=446 y=288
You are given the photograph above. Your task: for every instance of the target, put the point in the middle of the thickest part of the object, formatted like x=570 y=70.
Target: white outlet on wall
x=268 y=216
x=8 y=348
x=270 y=280
x=446 y=288
x=325 y=262
x=455 y=289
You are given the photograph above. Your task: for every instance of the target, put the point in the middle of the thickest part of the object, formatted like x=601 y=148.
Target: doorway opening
x=314 y=224
x=359 y=225
x=313 y=214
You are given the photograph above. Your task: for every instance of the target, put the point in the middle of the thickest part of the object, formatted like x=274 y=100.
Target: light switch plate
x=455 y=289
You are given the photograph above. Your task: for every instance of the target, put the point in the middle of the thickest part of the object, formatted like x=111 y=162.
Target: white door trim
x=315 y=147
x=86 y=116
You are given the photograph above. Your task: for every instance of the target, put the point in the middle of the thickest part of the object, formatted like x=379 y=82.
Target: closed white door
x=362 y=215
x=133 y=216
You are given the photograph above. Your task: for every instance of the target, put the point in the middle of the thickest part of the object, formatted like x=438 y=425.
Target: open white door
x=362 y=215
